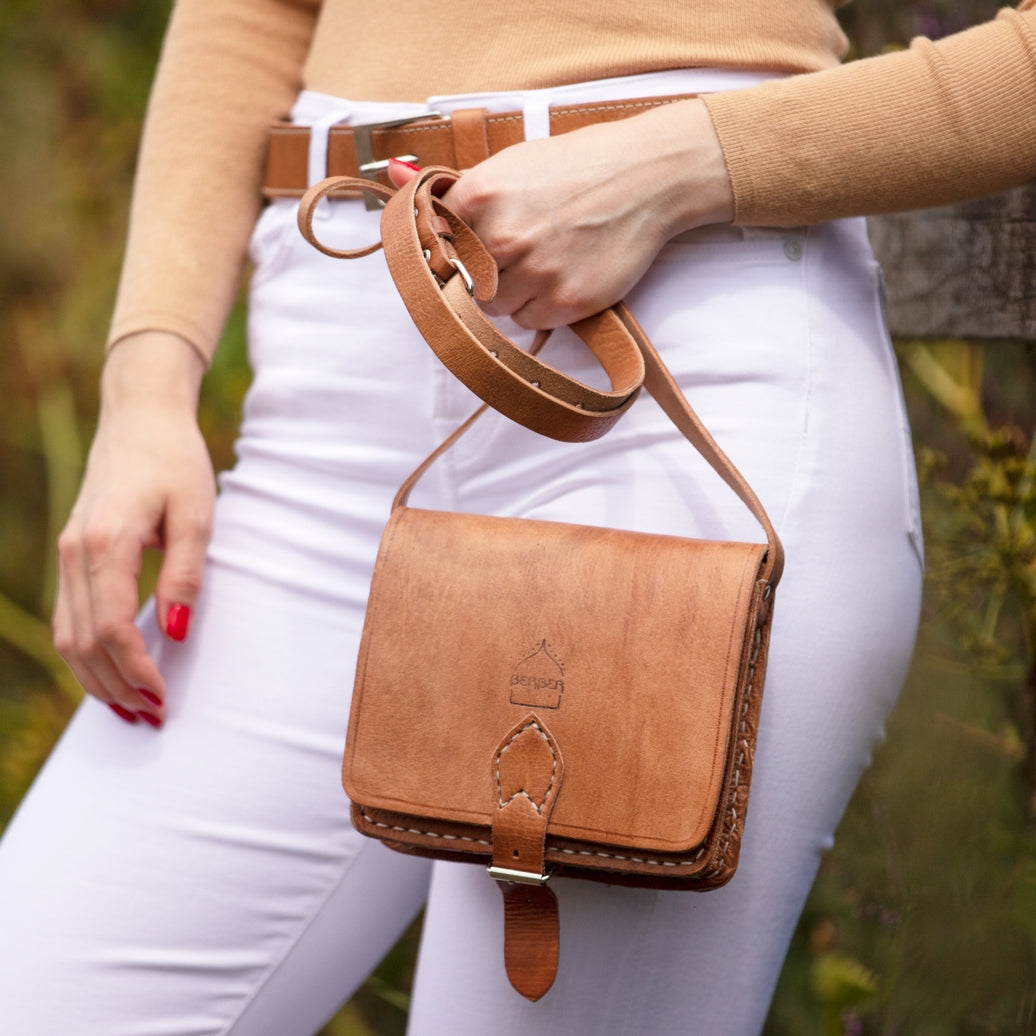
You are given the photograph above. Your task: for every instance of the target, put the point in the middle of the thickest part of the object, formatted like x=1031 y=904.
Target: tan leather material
x=528 y=764
x=511 y=380
x=514 y=382
x=518 y=835
x=612 y=680
x=470 y=140
x=434 y=142
x=526 y=774
x=308 y=211
x=546 y=400
x=531 y=937
x=646 y=638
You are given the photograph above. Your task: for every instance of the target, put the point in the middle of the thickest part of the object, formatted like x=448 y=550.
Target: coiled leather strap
x=442 y=271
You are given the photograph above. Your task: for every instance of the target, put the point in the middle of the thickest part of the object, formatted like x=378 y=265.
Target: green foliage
x=923 y=918
x=73 y=78
x=838 y=983
x=932 y=882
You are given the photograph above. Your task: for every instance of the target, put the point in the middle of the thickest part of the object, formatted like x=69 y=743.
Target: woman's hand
x=573 y=221
x=148 y=483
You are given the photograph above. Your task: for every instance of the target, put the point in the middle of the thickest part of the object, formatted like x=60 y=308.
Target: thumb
x=179 y=579
x=400 y=172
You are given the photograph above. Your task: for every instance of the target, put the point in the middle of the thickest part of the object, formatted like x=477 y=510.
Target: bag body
x=609 y=680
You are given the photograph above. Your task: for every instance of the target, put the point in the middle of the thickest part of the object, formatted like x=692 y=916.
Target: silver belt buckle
x=368 y=164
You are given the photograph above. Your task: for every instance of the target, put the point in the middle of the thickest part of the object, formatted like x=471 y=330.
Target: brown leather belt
x=459 y=141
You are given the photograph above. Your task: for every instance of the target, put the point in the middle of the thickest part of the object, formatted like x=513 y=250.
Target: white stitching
x=532 y=724
x=750 y=686
x=567 y=852
x=428 y=834
x=618 y=106
x=631 y=859
x=749 y=689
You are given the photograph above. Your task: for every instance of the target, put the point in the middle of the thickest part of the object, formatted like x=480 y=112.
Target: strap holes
x=493 y=352
x=516 y=854
x=426 y=253
x=535 y=384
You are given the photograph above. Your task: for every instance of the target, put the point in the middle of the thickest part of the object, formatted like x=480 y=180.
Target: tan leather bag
x=551 y=700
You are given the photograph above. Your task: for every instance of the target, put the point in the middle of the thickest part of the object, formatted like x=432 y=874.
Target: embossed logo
x=538 y=680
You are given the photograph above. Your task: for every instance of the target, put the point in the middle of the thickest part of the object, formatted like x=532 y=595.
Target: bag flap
x=626 y=645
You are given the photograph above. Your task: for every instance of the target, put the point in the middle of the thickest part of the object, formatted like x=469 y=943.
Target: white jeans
x=205 y=879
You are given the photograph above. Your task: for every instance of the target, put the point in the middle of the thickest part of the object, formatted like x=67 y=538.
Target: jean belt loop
x=536 y=114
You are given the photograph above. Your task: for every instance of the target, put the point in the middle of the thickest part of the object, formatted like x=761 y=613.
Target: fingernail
x=177 y=621
x=409 y=165
x=150 y=696
x=152 y=720
x=122 y=713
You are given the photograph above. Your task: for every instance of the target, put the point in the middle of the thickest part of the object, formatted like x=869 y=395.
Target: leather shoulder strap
x=442 y=271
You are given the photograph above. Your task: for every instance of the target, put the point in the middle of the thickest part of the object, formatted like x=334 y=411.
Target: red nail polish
x=176 y=621
x=150 y=696
x=122 y=713
x=152 y=720
x=409 y=165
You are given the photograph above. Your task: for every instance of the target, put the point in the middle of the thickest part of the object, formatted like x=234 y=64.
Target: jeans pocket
x=270 y=246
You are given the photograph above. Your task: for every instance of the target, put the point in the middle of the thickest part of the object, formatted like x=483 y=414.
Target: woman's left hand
x=573 y=221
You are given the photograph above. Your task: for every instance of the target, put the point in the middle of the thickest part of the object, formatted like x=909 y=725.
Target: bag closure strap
x=527 y=773
x=443 y=271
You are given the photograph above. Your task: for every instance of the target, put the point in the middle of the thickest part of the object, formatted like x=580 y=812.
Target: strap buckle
x=369 y=166
x=518 y=877
x=469 y=284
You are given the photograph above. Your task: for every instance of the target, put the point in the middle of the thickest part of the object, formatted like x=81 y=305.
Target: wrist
x=690 y=165
x=153 y=368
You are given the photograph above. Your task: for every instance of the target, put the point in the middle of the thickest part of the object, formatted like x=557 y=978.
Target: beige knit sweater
x=938 y=122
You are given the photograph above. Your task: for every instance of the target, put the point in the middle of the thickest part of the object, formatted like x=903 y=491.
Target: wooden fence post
x=964 y=271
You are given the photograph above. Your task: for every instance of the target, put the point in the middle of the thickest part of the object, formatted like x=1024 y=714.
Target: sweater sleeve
x=934 y=124
x=228 y=68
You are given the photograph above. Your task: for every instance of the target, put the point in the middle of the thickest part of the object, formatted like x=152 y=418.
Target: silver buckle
x=469 y=284
x=368 y=164
x=518 y=877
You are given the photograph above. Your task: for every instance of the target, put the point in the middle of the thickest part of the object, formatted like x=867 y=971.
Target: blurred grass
x=923 y=918
x=932 y=882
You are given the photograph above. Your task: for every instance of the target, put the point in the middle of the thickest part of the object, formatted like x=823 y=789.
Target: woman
x=204 y=878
